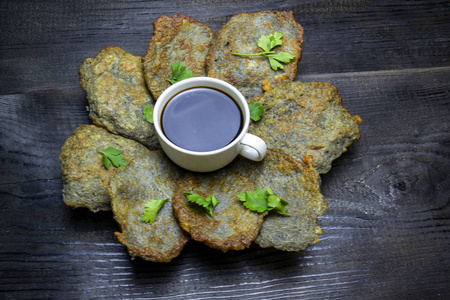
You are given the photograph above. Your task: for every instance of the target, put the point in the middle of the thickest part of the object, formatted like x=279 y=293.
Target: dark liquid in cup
x=201 y=119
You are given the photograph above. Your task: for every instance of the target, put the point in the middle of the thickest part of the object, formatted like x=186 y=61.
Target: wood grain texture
x=386 y=233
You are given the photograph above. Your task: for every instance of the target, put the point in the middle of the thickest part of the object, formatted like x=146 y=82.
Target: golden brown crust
x=306 y=203
x=150 y=177
x=306 y=118
x=149 y=254
x=240 y=35
x=298 y=183
x=233 y=227
x=175 y=39
x=117 y=94
x=85 y=178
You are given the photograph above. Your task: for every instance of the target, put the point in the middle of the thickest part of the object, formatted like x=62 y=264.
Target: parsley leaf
x=256 y=201
x=256 y=110
x=267 y=43
x=208 y=204
x=261 y=201
x=179 y=72
x=276 y=203
x=275 y=59
x=147 y=114
x=112 y=155
x=152 y=208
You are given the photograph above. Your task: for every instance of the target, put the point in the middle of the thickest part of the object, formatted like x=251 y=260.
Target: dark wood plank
x=388 y=212
x=386 y=232
x=46 y=43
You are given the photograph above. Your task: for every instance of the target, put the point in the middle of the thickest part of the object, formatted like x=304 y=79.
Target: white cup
x=245 y=144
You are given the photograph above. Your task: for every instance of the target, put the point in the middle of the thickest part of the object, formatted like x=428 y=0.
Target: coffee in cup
x=202 y=124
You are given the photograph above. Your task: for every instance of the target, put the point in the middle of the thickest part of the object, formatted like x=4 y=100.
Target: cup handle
x=253 y=147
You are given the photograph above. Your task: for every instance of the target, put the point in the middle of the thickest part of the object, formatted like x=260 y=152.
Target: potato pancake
x=179 y=39
x=296 y=182
x=240 y=35
x=84 y=175
x=306 y=118
x=117 y=93
x=233 y=226
x=151 y=177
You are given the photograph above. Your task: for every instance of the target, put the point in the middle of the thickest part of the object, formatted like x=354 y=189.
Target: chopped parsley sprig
x=152 y=208
x=147 y=114
x=267 y=43
x=179 y=72
x=207 y=203
x=256 y=110
x=112 y=156
x=261 y=201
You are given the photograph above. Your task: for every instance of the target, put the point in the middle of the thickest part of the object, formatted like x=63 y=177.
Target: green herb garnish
x=179 y=72
x=152 y=208
x=261 y=201
x=276 y=203
x=267 y=43
x=208 y=204
x=112 y=155
x=256 y=110
x=256 y=201
x=147 y=114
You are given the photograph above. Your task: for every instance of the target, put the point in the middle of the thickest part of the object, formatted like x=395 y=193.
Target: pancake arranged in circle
x=304 y=125
x=85 y=178
x=233 y=227
x=146 y=178
x=296 y=182
x=240 y=34
x=306 y=118
x=180 y=39
x=117 y=94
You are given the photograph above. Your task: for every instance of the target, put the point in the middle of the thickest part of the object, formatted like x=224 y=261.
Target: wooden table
x=386 y=233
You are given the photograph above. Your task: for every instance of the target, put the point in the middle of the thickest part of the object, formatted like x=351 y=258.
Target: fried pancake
x=240 y=35
x=233 y=226
x=84 y=175
x=175 y=39
x=306 y=118
x=298 y=183
x=116 y=91
x=149 y=177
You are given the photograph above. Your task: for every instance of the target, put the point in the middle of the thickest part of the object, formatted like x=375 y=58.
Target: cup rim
x=204 y=82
